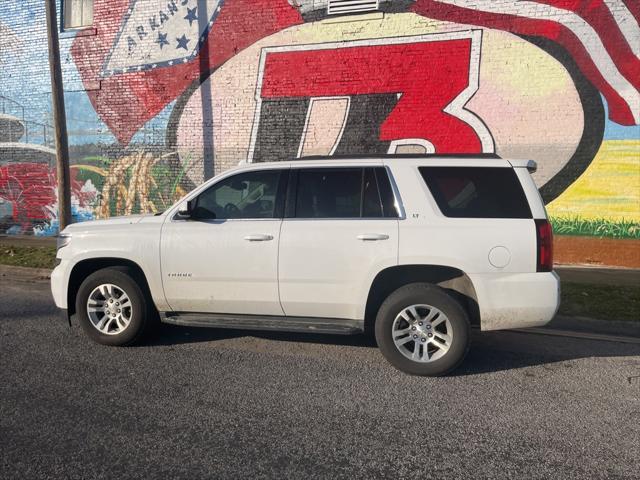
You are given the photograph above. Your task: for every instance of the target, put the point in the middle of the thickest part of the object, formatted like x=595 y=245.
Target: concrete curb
x=28 y=274
x=594 y=326
x=582 y=335
x=598 y=275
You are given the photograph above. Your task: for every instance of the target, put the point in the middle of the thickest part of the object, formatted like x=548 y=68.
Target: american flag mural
x=603 y=37
x=150 y=58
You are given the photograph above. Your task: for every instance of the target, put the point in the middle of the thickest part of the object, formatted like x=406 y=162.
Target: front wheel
x=112 y=308
x=421 y=330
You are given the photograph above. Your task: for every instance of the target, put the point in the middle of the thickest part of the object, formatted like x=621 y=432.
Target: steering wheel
x=231 y=210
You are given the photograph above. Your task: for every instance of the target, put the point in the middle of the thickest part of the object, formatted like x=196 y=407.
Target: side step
x=339 y=326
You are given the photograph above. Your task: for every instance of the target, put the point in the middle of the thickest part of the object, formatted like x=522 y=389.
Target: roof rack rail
x=399 y=155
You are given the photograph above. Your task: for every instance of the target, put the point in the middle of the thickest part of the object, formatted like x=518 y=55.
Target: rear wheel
x=421 y=330
x=112 y=308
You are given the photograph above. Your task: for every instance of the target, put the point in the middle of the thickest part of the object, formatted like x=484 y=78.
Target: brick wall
x=161 y=95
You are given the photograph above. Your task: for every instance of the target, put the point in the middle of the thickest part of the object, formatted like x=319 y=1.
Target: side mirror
x=186 y=209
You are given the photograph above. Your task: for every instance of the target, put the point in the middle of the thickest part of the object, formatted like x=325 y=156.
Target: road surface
x=198 y=403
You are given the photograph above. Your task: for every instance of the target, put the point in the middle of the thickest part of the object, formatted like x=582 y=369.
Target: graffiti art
x=163 y=95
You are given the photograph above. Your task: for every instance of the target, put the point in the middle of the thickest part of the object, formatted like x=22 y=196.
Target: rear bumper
x=516 y=300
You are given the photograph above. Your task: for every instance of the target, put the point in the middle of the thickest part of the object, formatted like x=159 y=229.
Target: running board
x=339 y=326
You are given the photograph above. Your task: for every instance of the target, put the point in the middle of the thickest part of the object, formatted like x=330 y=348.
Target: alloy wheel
x=109 y=309
x=422 y=333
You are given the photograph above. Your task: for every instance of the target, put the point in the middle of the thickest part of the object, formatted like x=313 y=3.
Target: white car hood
x=130 y=219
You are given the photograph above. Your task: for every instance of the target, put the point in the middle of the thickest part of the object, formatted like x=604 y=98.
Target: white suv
x=416 y=249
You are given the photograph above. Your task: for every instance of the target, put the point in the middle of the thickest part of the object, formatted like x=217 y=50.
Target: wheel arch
x=86 y=267
x=453 y=280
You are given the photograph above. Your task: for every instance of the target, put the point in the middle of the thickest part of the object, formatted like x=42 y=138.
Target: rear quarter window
x=477 y=192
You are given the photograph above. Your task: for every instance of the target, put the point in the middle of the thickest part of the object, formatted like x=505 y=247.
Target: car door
x=223 y=258
x=339 y=231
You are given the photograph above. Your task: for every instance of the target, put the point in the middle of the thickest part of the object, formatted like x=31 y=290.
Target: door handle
x=372 y=236
x=258 y=238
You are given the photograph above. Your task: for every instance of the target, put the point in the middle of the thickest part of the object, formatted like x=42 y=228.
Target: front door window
x=246 y=195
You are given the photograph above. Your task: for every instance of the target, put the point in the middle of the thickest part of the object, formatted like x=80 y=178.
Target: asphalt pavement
x=200 y=403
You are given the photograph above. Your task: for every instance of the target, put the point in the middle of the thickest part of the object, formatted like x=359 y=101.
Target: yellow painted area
x=610 y=187
x=90 y=168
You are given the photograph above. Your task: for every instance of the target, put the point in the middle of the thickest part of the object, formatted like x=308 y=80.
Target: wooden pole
x=59 y=118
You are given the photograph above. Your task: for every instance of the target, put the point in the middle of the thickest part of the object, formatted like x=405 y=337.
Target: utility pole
x=59 y=118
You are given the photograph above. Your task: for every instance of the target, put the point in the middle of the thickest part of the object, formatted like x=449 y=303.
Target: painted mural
x=162 y=95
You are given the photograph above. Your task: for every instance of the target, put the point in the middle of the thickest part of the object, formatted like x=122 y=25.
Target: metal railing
x=4 y=101
x=43 y=134
x=34 y=132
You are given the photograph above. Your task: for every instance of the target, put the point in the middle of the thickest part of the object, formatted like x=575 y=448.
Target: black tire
x=142 y=315
x=423 y=294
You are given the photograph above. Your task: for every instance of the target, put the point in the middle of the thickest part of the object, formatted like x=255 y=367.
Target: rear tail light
x=544 y=239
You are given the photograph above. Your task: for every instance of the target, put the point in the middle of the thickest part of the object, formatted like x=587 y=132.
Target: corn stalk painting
x=135 y=168
x=136 y=183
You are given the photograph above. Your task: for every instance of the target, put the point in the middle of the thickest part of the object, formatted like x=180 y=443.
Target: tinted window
x=329 y=193
x=477 y=192
x=371 y=204
x=341 y=193
x=386 y=193
x=246 y=195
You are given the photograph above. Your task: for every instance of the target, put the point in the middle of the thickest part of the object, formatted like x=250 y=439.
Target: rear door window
x=329 y=193
x=342 y=193
x=389 y=208
x=477 y=192
x=371 y=203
